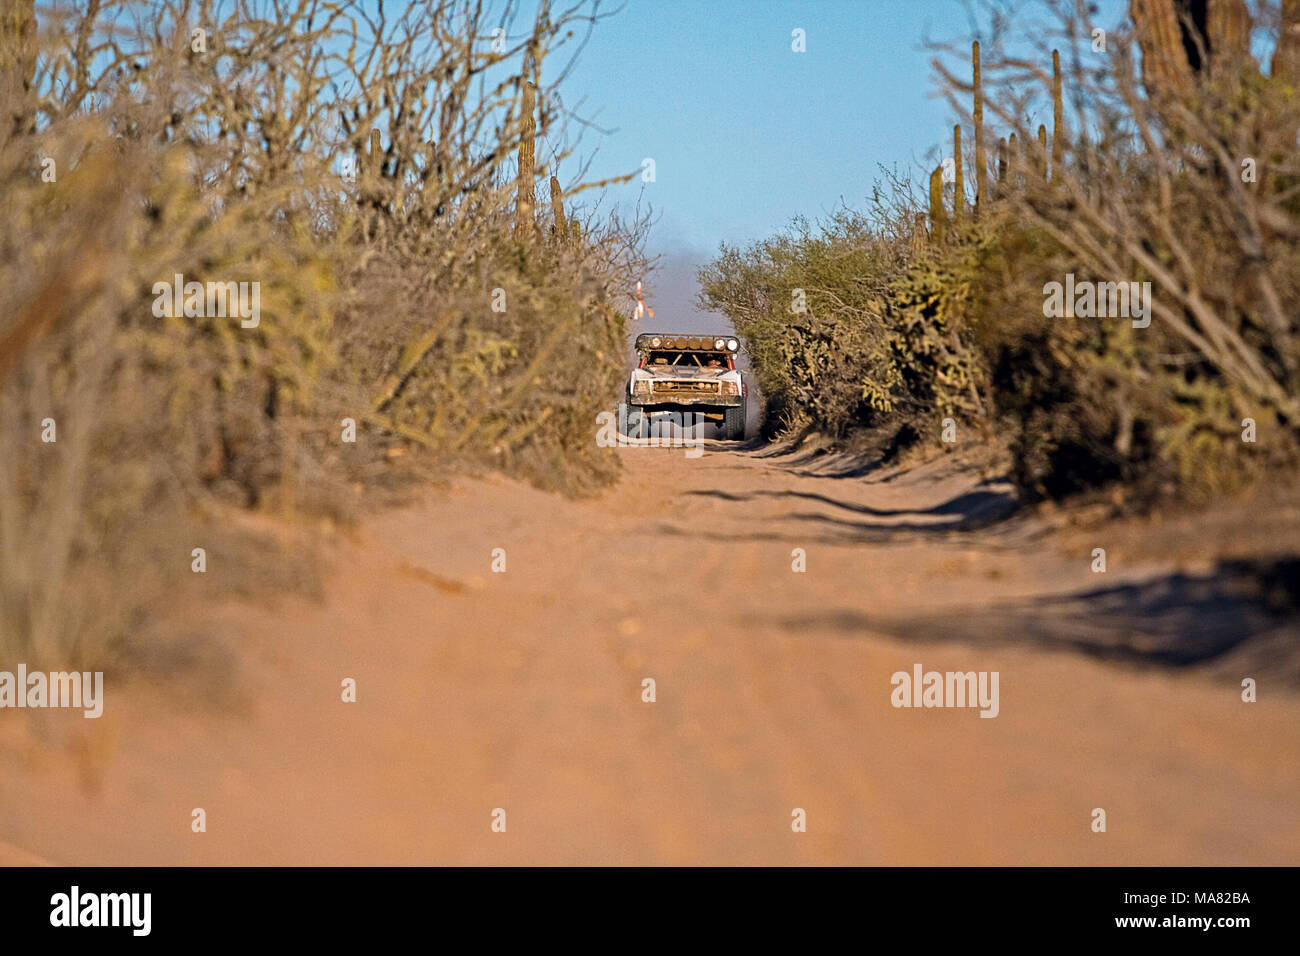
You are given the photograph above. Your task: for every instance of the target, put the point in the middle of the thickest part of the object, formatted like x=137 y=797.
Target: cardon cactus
x=375 y=158
x=1165 y=68
x=1228 y=25
x=938 y=215
x=1058 y=115
x=560 y=229
x=18 y=66
x=524 y=222
x=1181 y=43
x=1284 y=72
x=959 y=182
x=980 y=159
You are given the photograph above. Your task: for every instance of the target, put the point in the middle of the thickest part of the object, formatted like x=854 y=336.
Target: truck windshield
x=691 y=359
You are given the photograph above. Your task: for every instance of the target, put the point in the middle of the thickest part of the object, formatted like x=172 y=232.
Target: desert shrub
x=809 y=307
x=358 y=168
x=1151 y=186
x=882 y=335
x=1180 y=173
x=521 y=386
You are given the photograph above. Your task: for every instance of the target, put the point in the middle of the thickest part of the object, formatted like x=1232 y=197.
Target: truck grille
x=698 y=388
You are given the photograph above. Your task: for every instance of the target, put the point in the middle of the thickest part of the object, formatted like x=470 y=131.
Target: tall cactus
x=980 y=161
x=1166 y=70
x=1285 y=65
x=524 y=222
x=434 y=179
x=18 y=68
x=959 y=181
x=1228 y=25
x=1013 y=158
x=372 y=167
x=938 y=215
x=1041 y=162
x=374 y=158
x=1002 y=165
x=559 y=229
x=1284 y=70
x=1181 y=43
x=919 y=235
x=1058 y=116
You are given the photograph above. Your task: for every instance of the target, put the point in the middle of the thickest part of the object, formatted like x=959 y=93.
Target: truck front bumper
x=679 y=400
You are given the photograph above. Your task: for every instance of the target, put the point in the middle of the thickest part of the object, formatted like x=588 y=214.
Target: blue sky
x=744 y=132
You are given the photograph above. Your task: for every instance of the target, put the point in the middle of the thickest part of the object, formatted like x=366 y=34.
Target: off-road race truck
x=677 y=375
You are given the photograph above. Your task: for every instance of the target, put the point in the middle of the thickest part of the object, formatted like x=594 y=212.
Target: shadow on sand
x=1247 y=612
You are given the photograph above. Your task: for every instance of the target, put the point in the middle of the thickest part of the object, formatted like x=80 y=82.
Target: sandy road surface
x=522 y=690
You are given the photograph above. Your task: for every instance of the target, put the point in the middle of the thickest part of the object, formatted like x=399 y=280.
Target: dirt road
x=522 y=690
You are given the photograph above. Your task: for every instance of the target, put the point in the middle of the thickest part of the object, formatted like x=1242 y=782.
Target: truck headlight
x=732 y=344
x=641 y=386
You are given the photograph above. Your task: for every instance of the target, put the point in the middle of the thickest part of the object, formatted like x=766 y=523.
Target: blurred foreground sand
x=522 y=690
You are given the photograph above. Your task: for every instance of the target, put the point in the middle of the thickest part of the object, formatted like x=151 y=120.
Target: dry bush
x=810 y=306
x=1149 y=186
x=1143 y=180
x=218 y=157
x=881 y=335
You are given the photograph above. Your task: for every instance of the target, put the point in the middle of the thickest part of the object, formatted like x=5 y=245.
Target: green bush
x=908 y=325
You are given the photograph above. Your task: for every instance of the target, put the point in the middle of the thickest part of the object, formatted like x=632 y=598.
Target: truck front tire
x=636 y=422
x=733 y=425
